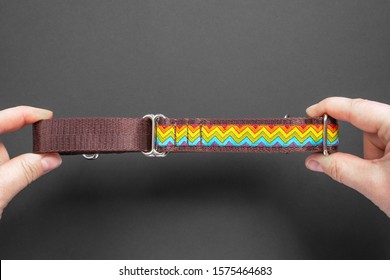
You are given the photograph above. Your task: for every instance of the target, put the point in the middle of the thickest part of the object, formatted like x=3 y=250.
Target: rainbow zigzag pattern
x=250 y=135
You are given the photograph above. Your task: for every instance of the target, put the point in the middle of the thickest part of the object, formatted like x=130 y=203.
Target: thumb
x=20 y=171
x=349 y=170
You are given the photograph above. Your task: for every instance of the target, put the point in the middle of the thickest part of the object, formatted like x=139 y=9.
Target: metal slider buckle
x=325 y=135
x=153 y=151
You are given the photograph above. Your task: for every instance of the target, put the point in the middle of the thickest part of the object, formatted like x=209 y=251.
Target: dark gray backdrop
x=191 y=59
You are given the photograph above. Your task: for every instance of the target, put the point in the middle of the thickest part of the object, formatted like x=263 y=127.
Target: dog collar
x=157 y=135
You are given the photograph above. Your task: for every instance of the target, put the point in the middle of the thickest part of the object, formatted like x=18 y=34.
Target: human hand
x=371 y=175
x=18 y=172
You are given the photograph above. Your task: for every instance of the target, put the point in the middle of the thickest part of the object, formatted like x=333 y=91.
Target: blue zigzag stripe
x=247 y=141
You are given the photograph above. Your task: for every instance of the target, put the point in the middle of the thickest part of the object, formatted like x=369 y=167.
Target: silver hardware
x=325 y=135
x=153 y=151
x=90 y=156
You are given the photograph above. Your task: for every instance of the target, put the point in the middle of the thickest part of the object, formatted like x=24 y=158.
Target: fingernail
x=310 y=108
x=314 y=166
x=45 y=114
x=50 y=162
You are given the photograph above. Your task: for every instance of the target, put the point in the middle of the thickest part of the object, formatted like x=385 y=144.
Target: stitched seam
x=174 y=134
x=187 y=134
x=200 y=133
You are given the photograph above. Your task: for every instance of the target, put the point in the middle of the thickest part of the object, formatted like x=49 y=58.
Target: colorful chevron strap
x=252 y=135
x=156 y=135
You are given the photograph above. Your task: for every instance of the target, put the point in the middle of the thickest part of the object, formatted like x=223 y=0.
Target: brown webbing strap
x=118 y=135
x=92 y=135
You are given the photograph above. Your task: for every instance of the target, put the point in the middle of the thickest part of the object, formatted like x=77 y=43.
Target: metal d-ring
x=90 y=156
x=325 y=135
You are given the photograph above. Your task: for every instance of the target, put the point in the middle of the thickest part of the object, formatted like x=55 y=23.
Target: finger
x=369 y=116
x=20 y=171
x=4 y=157
x=359 y=174
x=372 y=149
x=15 y=118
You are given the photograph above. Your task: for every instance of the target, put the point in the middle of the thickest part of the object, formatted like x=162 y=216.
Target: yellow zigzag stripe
x=263 y=132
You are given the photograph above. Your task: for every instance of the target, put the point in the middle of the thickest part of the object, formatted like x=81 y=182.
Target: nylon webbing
x=91 y=135
x=251 y=135
x=117 y=135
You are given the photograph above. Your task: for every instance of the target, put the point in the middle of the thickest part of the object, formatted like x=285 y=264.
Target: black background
x=226 y=59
